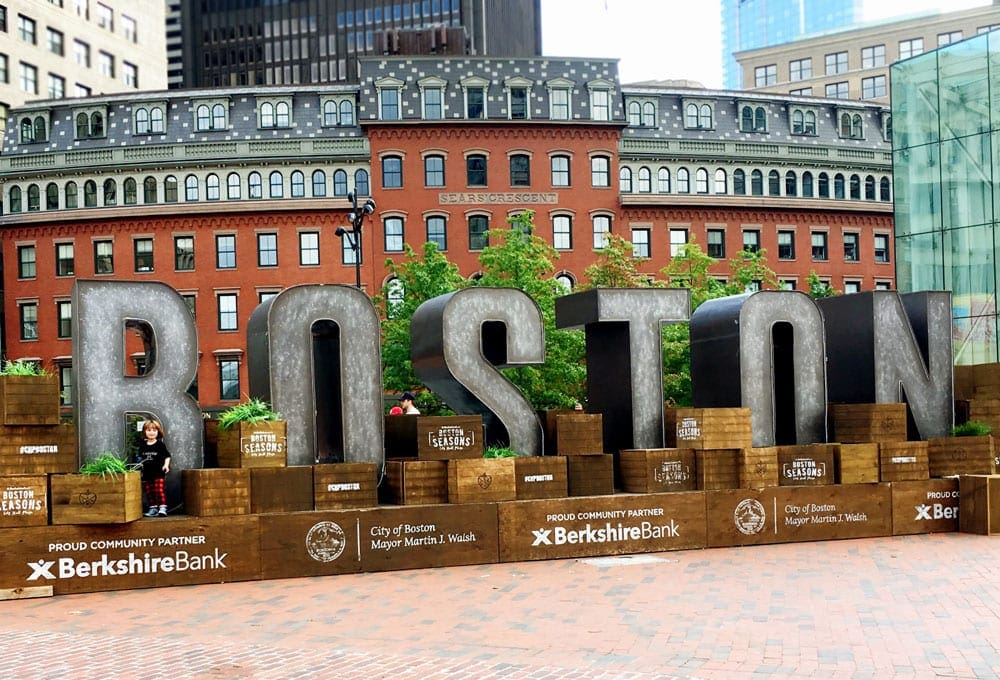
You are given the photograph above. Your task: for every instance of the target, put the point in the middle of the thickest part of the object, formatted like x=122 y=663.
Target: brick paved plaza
x=911 y=607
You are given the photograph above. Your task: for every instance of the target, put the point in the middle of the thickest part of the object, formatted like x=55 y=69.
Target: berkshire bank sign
x=780 y=353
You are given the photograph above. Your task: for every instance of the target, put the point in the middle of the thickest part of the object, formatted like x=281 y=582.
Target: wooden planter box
x=95 y=499
x=24 y=501
x=284 y=489
x=657 y=470
x=572 y=433
x=214 y=492
x=669 y=426
x=34 y=449
x=434 y=437
x=903 y=461
x=856 y=463
x=341 y=486
x=806 y=465
x=758 y=467
x=718 y=468
x=249 y=445
x=713 y=428
x=29 y=399
x=863 y=423
x=416 y=482
x=591 y=475
x=481 y=480
x=541 y=477
x=962 y=456
x=979 y=504
x=984 y=410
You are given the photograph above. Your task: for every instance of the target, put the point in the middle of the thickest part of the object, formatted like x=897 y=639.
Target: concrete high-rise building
x=255 y=42
x=78 y=48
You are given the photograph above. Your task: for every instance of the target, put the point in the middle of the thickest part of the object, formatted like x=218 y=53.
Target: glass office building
x=946 y=153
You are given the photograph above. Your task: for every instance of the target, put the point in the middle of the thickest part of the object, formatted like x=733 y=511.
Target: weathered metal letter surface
x=882 y=346
x=103 y=394
x=764 y=351
x=625 y=357
x=448 y=337
x=285 y=361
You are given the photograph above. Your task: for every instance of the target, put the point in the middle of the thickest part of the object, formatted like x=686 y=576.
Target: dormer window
x=474 y=89
x=753 y=118
x=518 y=98
x=432 y=97
x=211 y=115
x=389 y=98
x=600 y=99
x=699 y=115
x=803 y=121
x=148 y=118
x=34 y=127
x=560 y=98
x=90 y=122
x=641 y=113
x=274 y=112
x=851 y=125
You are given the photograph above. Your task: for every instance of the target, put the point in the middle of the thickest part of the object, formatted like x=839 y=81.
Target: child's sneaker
x=162 y=512
x=151 y=512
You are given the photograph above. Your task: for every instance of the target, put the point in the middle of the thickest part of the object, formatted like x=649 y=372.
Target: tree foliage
x=819 y=288
x=616 y=267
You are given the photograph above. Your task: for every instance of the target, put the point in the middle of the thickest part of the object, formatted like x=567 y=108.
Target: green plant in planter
x=251 y=411
x=21 y=367
x=106 y=464
x=972 y=428
x=499 y=452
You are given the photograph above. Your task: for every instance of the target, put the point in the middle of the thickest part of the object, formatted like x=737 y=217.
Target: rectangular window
x=64 y=318
x=851 y=252
x=309 y=248
x=105 y=17
x=479 y=225
x=716 y=240
x=227 y=311
x=786 y=245
x=559 y=103
x=751 y=240
x=106 y=64
x=29 y=78
x=881 y=248
x=433 y=104
x=26 y=262
x=475 y=170
x=872 y=57
x=765 y=75
x=562 y=232
x=57 y=86
x=3 y=18
x=229 y=380
x=348 y=255
x=911 y=48
x=560 y=171
x=57 y=44
x=640 y=243
x=883 y=285
x=130 y=75
x=602 y=227
x=837 y=90
x=437 y=232
x=393 y=240
x=26 y=29
x=392 y=172
x=29 y=320
x=64 y=259
x=678 y=238
x=520 y=171
x=267 y=250
x=819 y=251
x=873 y=87
x=4 y=69
x=184 y=253
x=475 y=103
x=852 y=287
x=225 y=252
x=104 y=260
x=802 y=91
x=65 y=385
x=600 y=171
x=129 y=29
x=948 y=38
x=518 y=103
x=836 y=63
x=389 y=107
x=143 y=249
x=787 y=284
x=800 y=69
x=600 y=105
x=81 y=53
x=434 y=171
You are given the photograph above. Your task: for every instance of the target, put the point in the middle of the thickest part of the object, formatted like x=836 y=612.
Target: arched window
x=298 y=180
x=807 y=184
x=625 y=180
x=855 y=188
x=28 y=131
x=212 y=192
x=110 y=192
x=339 y=183
x=361 y=186
x=52 y=196
x=757 y=183
x=798 y=125
x=739 y=182
x=156 y=120
x=809 y=126
x=149 y=190
x=255 y=185
x=791 y=184
x=838 y=186
x=663 y=180
x=90 y=194
x=746 y=119
x=760 y=119
x=845 y=125
x=234 y=189
x=141 y=121
x=566 y=282
x=170 y=189
x=869 y=188
x=634 y=114
x=282 y=116
x=40 y=133
x=691 y=116
x=96 y=125
x=885 y=193
x=347 y=112
x=683 y=181
x=701 y=181
x=276 y=184
x=218 y=117
x=720 y=182
x=82 y=126
x=774 y=183
x=130 y=190
x=645 y=180
x=72 y=195
x=330 y=113
x=204 y=118
x=648 y=114
x=319 y=183
x=15 y=199
x=267 y=115
x=705 y=116
x=34 y=198
x=857 y=129
x=824 y=185
x=190 y=188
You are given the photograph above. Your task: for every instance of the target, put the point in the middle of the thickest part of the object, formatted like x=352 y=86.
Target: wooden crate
x=863 y=423
x=341 y=486
x=213 y=492
x=591 y=475
x=481 y=480
x=758 y=467
x=979 y=504
x=249 y=445
x=540 y=477
x=24 y=501
x=714 y=428
x=211 y=444
x=962 y=456
x=669 y=426
x=434 y=437
x=95 y=499
x=572 y=433
x=925 y=506
x=38 y=449
x=806 y=465
x=856 y=463
x=903 y=461
x=657 y=470
x=984 y=410
x=29 y=399
x=416 y=482
x=718 y=468
x=281 y=489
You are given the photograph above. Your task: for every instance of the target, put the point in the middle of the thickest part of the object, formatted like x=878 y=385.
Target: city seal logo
x=749 y=516
x=325 y=541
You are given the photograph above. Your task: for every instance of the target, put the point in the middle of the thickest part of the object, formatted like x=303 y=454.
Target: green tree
x=819 y=288
x=749 y=271
x=616 y=267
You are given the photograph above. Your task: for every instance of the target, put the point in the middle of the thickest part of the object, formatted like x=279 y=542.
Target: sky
x=669 y=39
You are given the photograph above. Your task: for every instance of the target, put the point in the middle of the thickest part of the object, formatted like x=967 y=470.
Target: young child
x=155 y=460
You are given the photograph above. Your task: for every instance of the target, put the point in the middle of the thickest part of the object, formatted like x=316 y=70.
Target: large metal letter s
x=458 y=339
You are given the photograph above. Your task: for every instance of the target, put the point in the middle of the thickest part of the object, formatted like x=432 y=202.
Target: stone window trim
x=433 y=83
x=804 y=110
x=274 y=101
x=562 y=84
x=518 y=82
x=698 y=102
x=211 y=103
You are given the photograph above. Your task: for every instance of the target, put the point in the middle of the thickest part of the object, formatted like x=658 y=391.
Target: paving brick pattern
x=907 y=607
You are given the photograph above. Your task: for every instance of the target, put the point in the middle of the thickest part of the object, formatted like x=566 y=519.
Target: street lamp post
x=353 y=235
